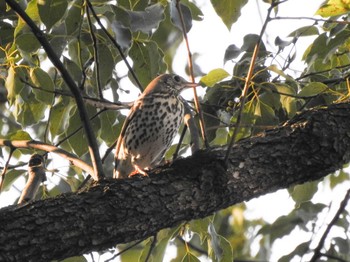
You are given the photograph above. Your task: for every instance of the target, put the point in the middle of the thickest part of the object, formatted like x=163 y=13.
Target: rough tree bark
x=313 y=145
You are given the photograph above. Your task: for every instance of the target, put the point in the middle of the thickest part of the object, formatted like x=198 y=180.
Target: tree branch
x=308 y=148
x=93 y=147
x=74 y=160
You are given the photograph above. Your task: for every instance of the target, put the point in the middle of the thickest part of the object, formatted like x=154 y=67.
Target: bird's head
x=168 y=83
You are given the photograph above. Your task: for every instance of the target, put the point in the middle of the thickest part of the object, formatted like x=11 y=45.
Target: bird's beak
x=191 y=85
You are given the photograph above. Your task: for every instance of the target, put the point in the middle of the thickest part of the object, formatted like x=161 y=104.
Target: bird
x=36 y=175
x=151 y=126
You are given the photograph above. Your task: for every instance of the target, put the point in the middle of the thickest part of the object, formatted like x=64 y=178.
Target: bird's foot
x=138 y=171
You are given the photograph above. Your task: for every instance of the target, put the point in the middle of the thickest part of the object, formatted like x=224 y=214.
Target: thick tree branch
x=311 y=146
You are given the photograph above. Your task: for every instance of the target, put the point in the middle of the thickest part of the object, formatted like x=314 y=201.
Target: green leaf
x=75 y=259
x=74 y=17
x=110 y=134
x=338 y=178
x=304 y=31
x=78 y=141
x=300 y=250
x=186 y=16
x=214 y=76
x=333 y=8
x=309 y=211
x=28 y=112
x=200 y=227
x=27 y=42
x=303 y=193
x=11 y=177
x=42 y=80
x=189 y=257
x=232 y=51
x=281 y=227
x=59 y=116
x=265 y=113
x=288 y=102
x=228 y=10
x=221 y=137
x=18 y=135
x=13 y=83
x=33 y=13
x=51 y=11
x=148 y=20
x=148 y=60
x=106 y=63
x=221 y=247
x=313 y=89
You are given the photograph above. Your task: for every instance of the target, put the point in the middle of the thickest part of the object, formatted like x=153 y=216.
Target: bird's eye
x=177 y=78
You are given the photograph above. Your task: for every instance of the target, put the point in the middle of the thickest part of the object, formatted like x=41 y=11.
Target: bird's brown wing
x=134 y=109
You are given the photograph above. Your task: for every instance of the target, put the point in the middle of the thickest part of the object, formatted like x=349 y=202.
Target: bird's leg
x=138 y=171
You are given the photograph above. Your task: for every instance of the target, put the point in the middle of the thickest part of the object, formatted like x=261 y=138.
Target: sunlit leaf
x=13 y=83
x=29 y=112
x=43 y=81
x=214 y=76
x=333 y=8
x=228 y=10
x=303 y=193
x=33 y=13
x=200 y=227
x=18 y=135
x=75 y=259
x=189 y=257
x=312 y=89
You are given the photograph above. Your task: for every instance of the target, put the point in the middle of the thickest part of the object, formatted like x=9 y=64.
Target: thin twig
x=124 y=250
x=96 y=56
x=111 y=38
x=310 y=18
x=95 y=102
x=92 y=141
x=248 y=79
x=153 y=244
x=190 y=65
x=317 y=252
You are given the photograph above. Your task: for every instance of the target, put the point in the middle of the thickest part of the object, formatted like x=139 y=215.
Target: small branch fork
x=98 y=173
x=13 y=144
x=248 y=79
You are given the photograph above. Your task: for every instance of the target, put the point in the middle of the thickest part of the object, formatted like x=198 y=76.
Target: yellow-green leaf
x=214 y=76
x=334 y=8
x=43 y=81
x=312 y=89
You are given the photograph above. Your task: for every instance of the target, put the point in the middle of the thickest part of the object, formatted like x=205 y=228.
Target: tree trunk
x=311 y=146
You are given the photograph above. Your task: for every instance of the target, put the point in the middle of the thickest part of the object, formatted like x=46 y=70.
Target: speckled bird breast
x=153 y=127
